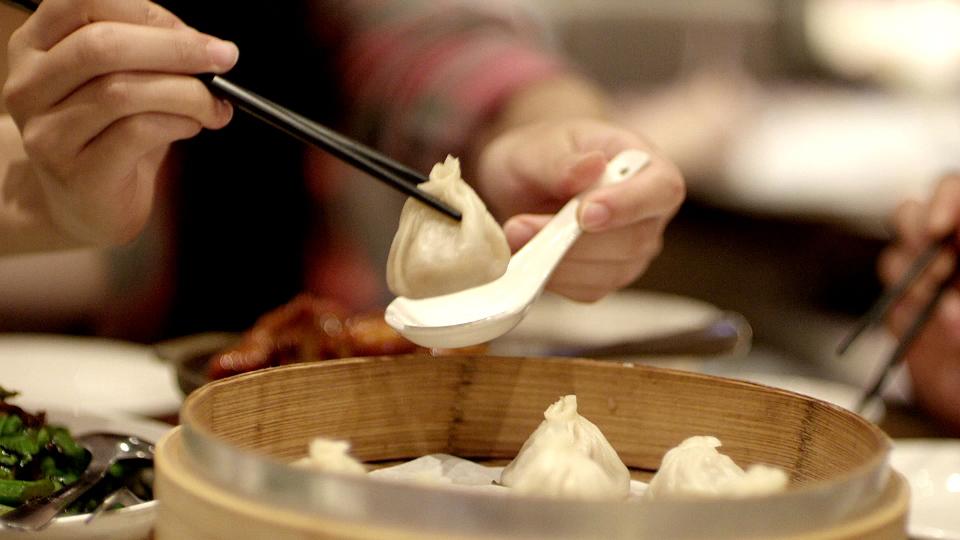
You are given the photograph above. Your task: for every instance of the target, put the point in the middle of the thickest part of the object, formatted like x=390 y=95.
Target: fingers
x=917 y=226
x=79 y=119
x=105 y=47
x=597 y=263
x=945 y=322
x=934 y=364
x=56 y=19
x=574 y=173
x=944 y=208
x=107 y=198
x=932 y=358
x=521 y=229
x=636 y=241
x=655 y=192
x=139 y=135
x=910 y=220
x=895 y=261
x=589 y=281
x=536 y=169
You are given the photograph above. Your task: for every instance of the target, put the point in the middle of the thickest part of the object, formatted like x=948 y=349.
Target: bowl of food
x=308 y=328
x=39 y=454
x=228 y=469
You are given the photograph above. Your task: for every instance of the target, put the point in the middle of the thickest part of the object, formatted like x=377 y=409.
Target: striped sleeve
x=420 y=76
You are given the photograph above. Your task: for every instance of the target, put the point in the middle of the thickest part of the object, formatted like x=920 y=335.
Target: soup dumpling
x=695 y=468
x=582 y=439
x=557 y=468
x=432 y=254
x=330 y=455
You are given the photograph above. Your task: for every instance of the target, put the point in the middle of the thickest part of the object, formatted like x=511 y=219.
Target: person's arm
x=934 y=358
x=421 y=79
x=426 y=79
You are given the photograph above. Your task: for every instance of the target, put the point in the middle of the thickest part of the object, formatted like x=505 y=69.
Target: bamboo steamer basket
x=225 y=473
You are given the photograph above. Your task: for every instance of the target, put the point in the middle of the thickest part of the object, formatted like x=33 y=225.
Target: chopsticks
x=377 y=165
x=29 y=5
x=881 y=307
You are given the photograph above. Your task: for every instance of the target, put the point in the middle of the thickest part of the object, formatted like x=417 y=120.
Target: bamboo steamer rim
x=200 y=437
x=189 y=411
x=191 y=502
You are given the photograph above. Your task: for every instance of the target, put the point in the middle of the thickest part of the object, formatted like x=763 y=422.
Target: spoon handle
x=36 y=514
x=564 y=229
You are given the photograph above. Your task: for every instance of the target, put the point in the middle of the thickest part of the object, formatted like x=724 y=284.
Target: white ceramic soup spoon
x=482 y=313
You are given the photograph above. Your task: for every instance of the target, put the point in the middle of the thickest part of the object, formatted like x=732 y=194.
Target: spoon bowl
x=480 y=314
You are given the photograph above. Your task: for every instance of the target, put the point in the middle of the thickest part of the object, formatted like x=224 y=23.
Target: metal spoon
x=479 y=314
x=105 y=450
x=121 y=498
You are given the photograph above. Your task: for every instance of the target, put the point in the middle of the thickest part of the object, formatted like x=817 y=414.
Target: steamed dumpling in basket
x=557 y=468
x=432 y=254
x=695 y=468
x=331 y=455
x=568 y=456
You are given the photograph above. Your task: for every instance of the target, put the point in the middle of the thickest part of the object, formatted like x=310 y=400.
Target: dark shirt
x=241 y=203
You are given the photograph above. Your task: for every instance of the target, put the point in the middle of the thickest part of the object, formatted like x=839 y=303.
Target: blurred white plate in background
x=90 y=374
x=555 y=321
x=844 y=156
x=80 y=422
x=932 y=466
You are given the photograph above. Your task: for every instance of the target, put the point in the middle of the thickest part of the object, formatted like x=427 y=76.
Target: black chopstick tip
x=436 y=204
x=881 y=308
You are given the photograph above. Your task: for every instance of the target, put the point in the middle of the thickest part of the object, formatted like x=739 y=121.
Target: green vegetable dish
x=37 y=459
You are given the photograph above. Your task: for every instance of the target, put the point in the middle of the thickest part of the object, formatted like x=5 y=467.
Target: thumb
x=521 y=228
x=575 y=172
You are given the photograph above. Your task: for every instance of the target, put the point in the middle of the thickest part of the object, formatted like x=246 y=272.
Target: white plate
x=932 y=467
x=91 y=374
x=555 y=321
x=132 y=523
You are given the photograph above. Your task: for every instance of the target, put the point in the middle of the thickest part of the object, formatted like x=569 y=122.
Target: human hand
x=527 y=173
x=99 y=89
x=934 y=358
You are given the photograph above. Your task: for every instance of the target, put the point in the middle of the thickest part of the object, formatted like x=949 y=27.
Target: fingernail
x=594 y=216
x=223 y=54
x=226 y=110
